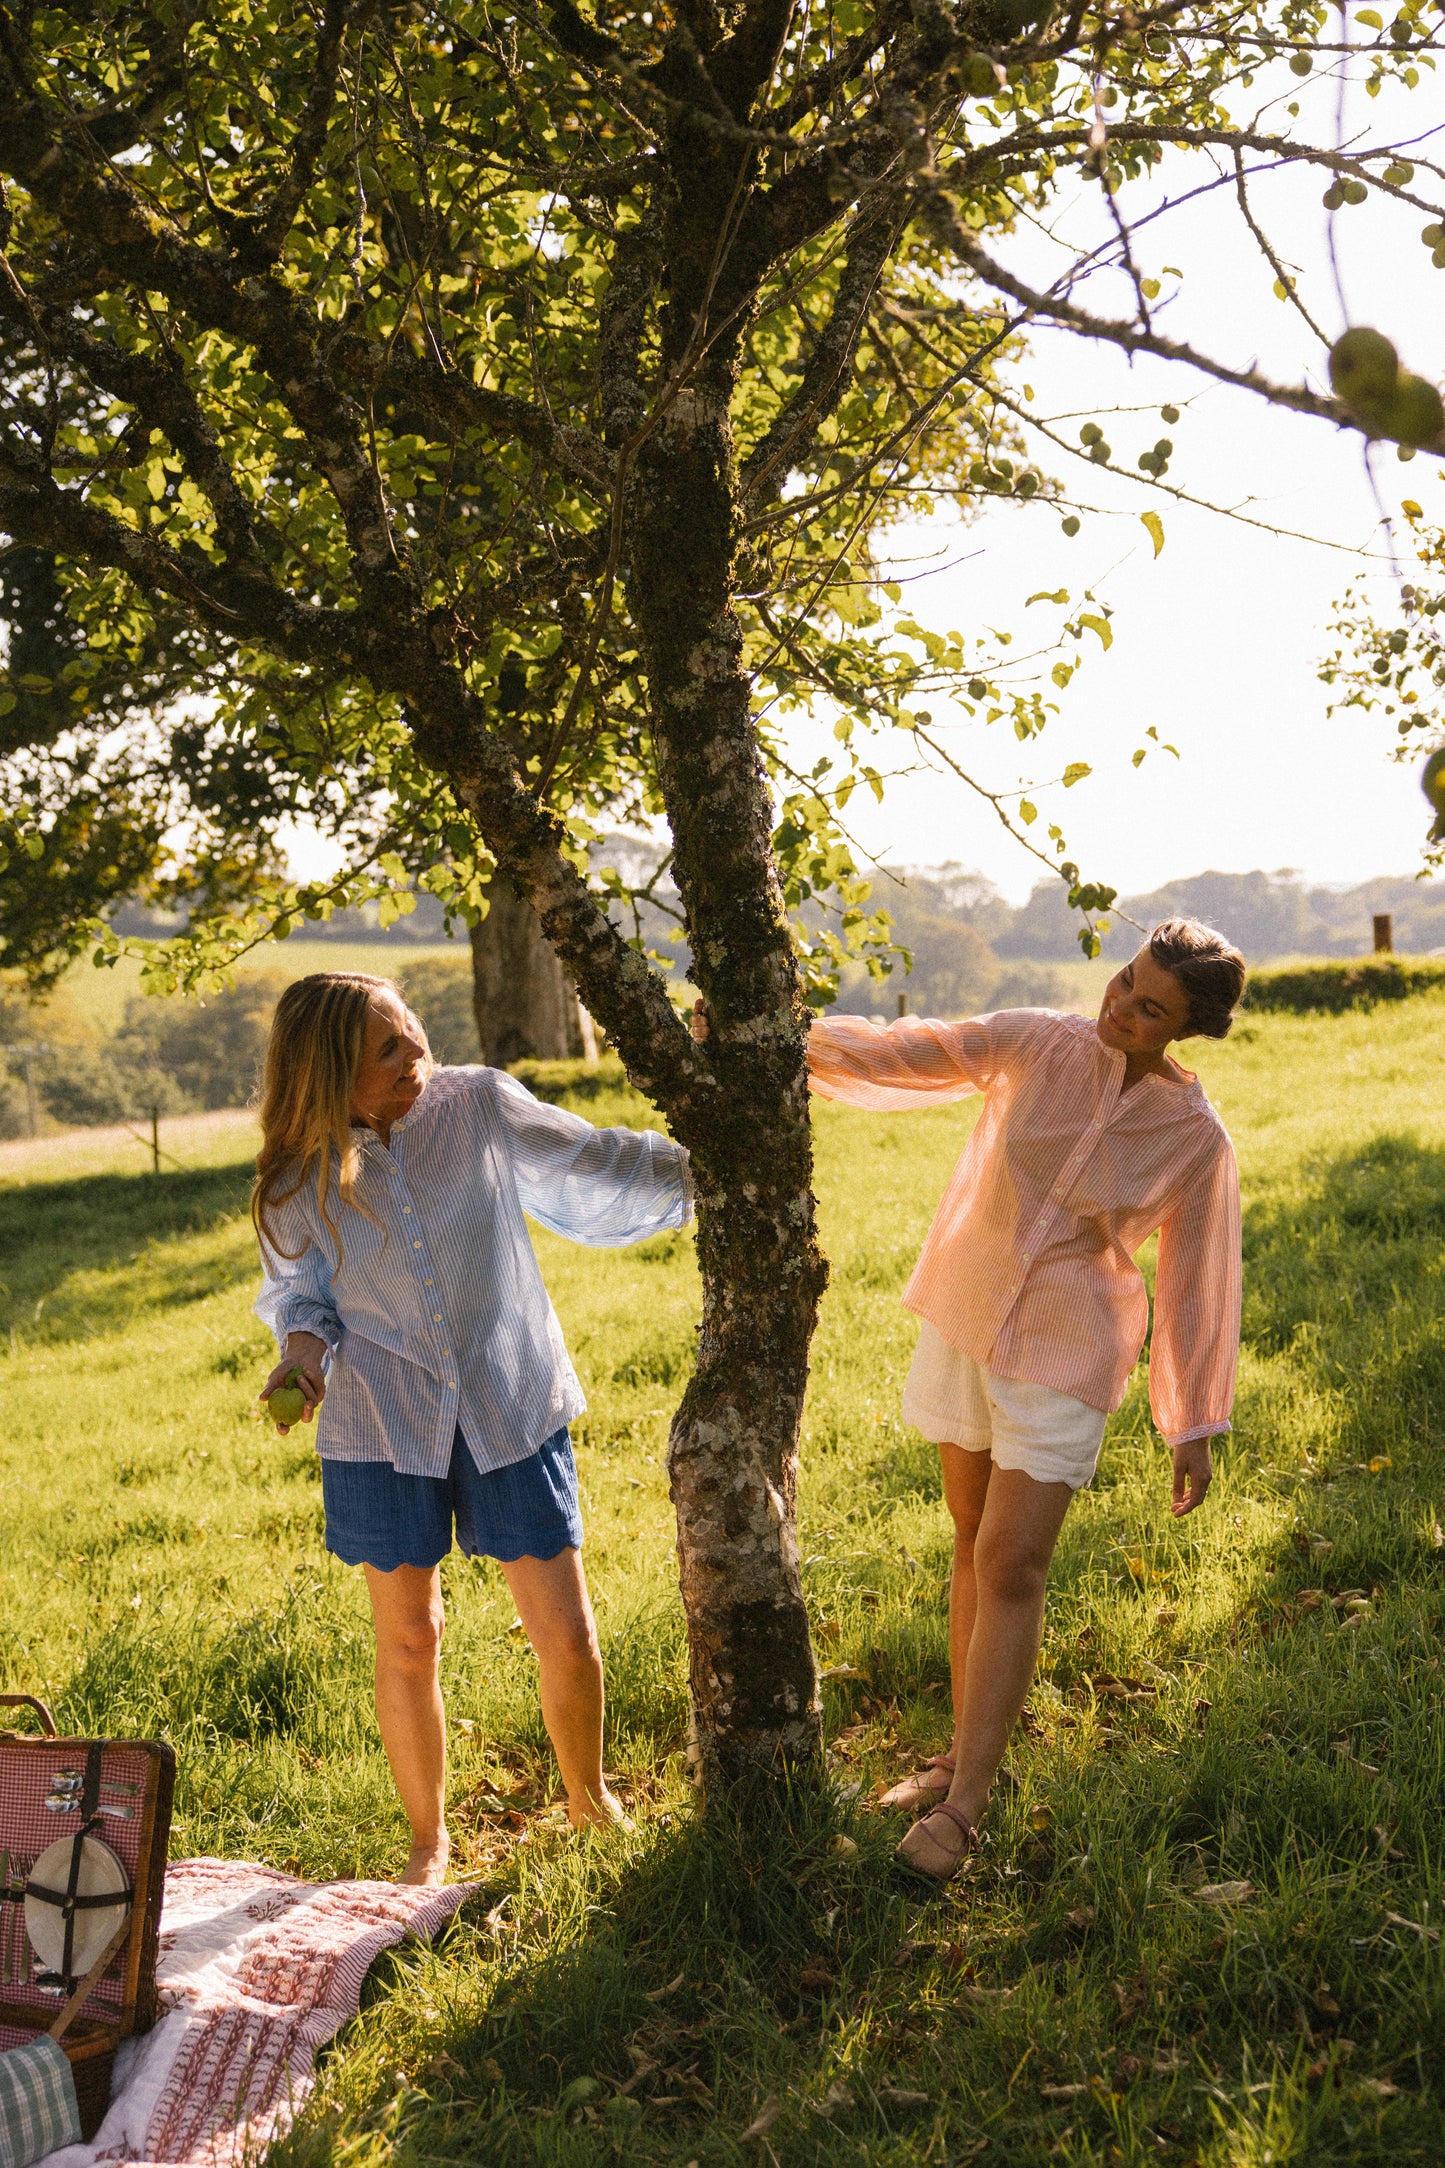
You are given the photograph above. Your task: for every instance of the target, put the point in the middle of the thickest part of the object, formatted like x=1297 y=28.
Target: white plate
x=101 y=1875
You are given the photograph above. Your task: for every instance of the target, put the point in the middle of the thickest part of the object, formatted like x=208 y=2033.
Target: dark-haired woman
x=1032 y=1310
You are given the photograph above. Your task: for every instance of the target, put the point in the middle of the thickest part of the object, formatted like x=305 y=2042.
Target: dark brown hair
x=1209 y=968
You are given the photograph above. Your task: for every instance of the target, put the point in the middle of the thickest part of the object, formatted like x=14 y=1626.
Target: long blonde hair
x=313 y=1058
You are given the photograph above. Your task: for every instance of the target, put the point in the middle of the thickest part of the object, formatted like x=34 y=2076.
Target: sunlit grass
x=1252 y=1696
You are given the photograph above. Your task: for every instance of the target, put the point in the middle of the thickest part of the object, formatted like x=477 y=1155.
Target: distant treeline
x=971 y=951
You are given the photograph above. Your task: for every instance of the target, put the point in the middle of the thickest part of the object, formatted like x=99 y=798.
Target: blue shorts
x=375 y=1517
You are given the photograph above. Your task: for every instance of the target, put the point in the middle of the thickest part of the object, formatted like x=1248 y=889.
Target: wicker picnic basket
x=108 y=1802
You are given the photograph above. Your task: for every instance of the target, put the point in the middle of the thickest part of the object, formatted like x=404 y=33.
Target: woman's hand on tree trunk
x=700 y=1022
x=304 y=1355
x=1193 y=1474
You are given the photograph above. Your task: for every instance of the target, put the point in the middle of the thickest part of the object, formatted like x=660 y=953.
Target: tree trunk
x=733 y=1452
x=522 y=998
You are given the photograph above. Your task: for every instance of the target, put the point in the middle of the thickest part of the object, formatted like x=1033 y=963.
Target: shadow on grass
x=50 y=1231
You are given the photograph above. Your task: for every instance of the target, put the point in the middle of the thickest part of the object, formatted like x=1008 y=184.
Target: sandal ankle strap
x=959 y=1821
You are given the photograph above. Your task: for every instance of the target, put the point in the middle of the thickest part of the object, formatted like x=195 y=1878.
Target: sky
x=1218 y=642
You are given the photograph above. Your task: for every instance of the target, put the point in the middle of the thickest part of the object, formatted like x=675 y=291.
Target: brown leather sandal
x=967 y=1829
x=914 y=1791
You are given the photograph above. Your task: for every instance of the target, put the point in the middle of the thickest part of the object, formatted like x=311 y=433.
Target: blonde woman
x=1032 y=1311
x=401 y=1284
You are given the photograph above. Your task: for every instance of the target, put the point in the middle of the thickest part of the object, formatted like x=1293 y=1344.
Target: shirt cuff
x=307 y=1317
x=688 y=1192
x=1200 y=1430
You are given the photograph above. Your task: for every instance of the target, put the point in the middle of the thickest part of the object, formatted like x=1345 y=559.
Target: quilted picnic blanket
x=256 y=1972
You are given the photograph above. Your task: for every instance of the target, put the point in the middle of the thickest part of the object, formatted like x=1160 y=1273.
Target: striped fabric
x=1029 y=1264
x=436 y=1315
x=38 y=2108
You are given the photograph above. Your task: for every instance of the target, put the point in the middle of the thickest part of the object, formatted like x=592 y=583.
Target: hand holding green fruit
x=296 y=1386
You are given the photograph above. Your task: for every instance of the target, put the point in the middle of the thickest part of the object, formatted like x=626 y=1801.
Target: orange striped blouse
x=1029 y=1264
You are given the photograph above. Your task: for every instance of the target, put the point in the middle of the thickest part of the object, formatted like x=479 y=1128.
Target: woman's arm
x=1194 y=1351
x=892 y=1067
x=296 y=1301
x=605 y=1187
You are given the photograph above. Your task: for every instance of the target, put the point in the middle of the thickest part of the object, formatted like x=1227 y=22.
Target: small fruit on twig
x=1385 y=399
x=1415 y=414
x=287 y=1404
x=1432 y=779
x=1364 y=367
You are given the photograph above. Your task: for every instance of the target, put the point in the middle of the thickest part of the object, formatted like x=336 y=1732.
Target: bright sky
x=1217 y=643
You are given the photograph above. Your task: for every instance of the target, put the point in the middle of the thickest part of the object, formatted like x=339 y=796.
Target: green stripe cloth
x=38 y=2110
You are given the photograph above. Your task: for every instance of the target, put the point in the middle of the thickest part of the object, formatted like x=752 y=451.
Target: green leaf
x=1075 y=773
x=1028 y=812
x=1369 y=18
x=1099 y=625
x=1153 y=526
x=1059 y=595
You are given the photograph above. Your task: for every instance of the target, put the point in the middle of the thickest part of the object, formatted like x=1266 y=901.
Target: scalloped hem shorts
x=377 y=1517
x=954 y=1400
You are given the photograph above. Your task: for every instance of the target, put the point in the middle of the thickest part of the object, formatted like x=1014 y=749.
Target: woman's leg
x=553 y=1604
x=407 y=1607
x=966 y=1479
x=965 y=1487
x=1012 y=1547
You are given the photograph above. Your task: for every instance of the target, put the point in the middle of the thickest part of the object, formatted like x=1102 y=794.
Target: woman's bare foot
x=605 y=1812
x=426 y=1866
x=924 y=1787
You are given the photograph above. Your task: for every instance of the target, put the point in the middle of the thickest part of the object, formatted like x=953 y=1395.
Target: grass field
x=1253 y=1698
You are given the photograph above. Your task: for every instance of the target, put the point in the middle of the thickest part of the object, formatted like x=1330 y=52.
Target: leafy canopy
x=332 y=335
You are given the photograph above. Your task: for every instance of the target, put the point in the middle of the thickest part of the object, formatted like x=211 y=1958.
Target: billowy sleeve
x=604 y=1187
x=1194 y=1351
x=893 y=1067
x=296 y=1292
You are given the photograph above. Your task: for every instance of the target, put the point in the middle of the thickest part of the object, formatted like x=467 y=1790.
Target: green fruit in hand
x=287 y=1404
x=1414 y=415
x=1432 y=779
x=1364 y=367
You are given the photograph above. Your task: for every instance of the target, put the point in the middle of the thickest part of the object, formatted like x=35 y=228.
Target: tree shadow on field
x=680 y=1986
x=1350 y=1276
x=1345 y=1286
x=51 y=1231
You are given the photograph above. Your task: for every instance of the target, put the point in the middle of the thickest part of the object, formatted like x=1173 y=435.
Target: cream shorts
x=955 y=1401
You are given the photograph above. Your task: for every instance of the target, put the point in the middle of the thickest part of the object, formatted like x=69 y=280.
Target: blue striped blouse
x=437 y=1317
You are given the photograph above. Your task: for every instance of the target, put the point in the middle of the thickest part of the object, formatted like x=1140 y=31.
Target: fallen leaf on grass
x=1381 y=2088
x=845 y=1847
x=1201 y=1711
x=837 y=2096
x=817 y=1973
x=1320 y=1547
x=655 y=1994
x=900 y=2100
x=971 y=1993
x=765 y=2118
x=1081 y=1916
x=1225 y=1893
x=841 y=1671
x=1061 y=2092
